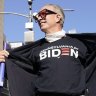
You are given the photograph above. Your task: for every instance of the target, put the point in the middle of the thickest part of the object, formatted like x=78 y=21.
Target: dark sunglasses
x=43 y=13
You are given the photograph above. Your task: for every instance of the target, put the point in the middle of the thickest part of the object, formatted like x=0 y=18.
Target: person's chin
x=43 y=29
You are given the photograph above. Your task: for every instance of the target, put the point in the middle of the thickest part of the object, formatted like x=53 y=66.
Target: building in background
x=15 y=44
x=1 y=24
x=28 y=37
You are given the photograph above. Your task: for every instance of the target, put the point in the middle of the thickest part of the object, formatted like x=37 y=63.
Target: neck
x=53 y=30
x=51 y=37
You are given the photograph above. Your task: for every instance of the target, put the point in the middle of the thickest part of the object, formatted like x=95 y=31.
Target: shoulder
x=73 y=39
x=27 y=47
x=76 y=42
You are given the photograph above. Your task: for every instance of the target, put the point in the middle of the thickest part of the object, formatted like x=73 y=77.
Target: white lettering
x=49 y=54
x=43 y=55
x=74 y=53
x=56 y=52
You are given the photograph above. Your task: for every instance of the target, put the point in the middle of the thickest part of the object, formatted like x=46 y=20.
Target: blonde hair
x=59 y=11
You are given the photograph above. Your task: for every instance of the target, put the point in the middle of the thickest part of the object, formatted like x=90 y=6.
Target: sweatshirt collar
x=55 y=36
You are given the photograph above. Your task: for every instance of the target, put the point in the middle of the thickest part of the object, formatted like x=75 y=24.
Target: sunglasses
x=44 y=13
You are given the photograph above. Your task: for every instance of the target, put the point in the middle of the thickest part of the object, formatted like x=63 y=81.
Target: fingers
x=3 y=54
x=2 y=60
x=6 y=53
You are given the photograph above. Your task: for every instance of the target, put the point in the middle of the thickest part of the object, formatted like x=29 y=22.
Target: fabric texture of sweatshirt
x=57 y=67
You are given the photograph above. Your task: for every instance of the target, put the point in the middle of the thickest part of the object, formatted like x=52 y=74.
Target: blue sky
x=83 y=19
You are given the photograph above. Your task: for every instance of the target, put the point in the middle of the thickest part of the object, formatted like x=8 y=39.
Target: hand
x=3 y=54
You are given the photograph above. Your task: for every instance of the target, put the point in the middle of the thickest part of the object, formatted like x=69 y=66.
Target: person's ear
x=58 y=18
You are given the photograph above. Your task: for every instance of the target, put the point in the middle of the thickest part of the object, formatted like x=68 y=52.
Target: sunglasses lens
x=42 y=14
x=45 y=12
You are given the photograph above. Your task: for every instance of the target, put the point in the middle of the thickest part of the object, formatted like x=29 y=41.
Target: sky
x=82 y=19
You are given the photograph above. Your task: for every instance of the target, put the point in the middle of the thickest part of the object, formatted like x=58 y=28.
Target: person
x=57 y=61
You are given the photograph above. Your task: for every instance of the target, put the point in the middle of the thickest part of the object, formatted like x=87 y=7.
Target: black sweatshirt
x=57 y=67
x=60 y=66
